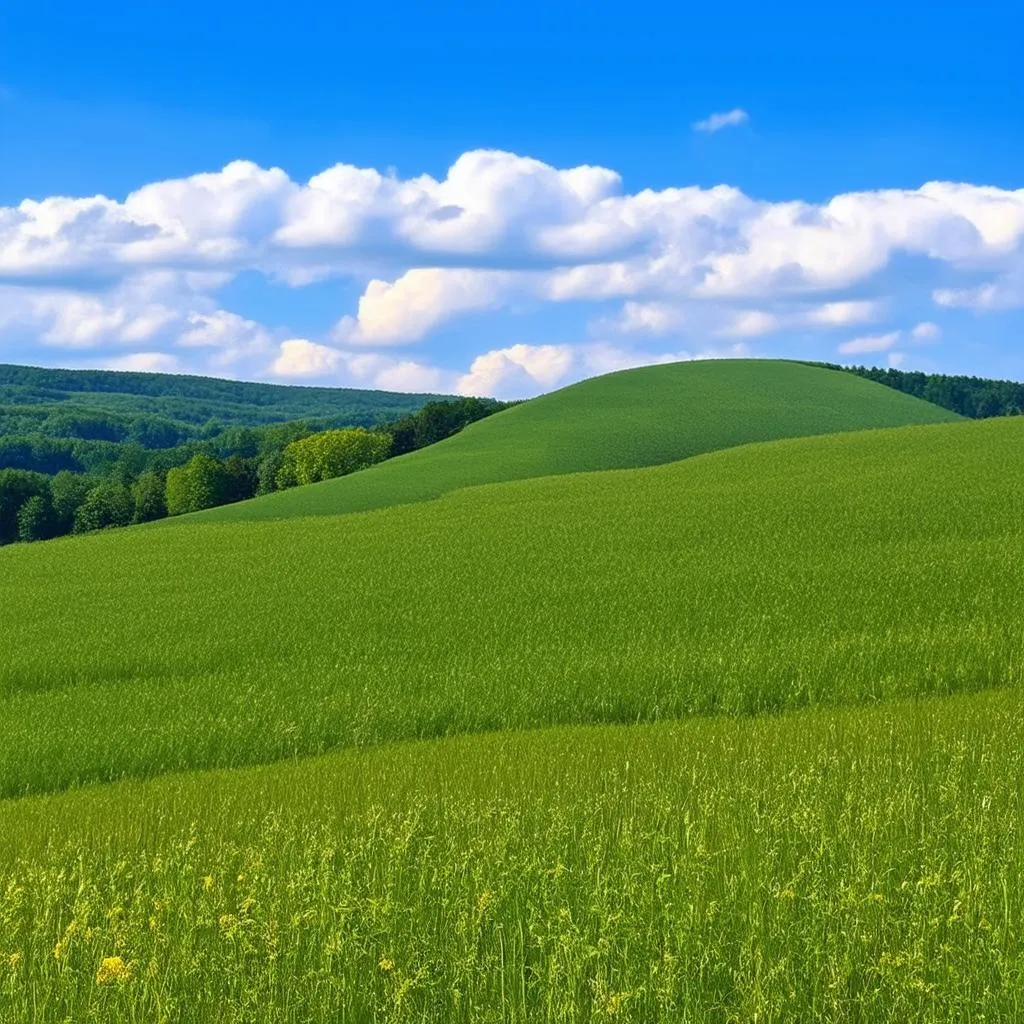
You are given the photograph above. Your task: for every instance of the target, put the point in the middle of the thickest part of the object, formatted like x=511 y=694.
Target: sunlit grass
x=852 y=568
x=836 y=864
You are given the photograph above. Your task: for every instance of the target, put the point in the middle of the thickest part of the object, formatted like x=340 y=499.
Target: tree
x=334 y=453
x=240 y=479
x=36 y=520
x=17 y=486
x=148 y=495
x=67 y=492
x=267 y=472
x=109 y=504
x=200 y=483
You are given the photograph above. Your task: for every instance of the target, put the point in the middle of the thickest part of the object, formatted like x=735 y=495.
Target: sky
x=506 y=199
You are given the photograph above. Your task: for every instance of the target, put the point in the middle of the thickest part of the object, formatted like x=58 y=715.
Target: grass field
x=850 y=568
x=642 y=417
x=735 y=738
x=821 y=866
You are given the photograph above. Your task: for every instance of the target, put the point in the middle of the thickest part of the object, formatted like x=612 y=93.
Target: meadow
x=828 y=865
x=733 y=738
x=642 y=417
x=849 y=568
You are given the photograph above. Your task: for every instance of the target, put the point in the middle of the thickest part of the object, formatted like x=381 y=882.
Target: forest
x=55 y=485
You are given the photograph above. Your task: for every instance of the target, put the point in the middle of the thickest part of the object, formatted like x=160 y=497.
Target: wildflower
x=14 y=961
x=112 y=968
x=484 y=900
x=207 y=883
x=613 y=1002
x=61 y=949
x=228 y=925
x=386 y=965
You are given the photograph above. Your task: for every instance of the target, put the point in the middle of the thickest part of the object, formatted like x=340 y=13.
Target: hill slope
x=642 y=417
x=834 y=569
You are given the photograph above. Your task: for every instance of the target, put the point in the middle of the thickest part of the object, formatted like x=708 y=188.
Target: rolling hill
x=624 y=420
x=736 y=736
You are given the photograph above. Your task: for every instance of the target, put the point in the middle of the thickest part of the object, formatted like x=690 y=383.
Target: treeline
x=186 y=403
x=136 y=485
x=974 y=397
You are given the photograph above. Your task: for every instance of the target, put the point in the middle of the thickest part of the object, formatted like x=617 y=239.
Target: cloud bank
x=137 y=282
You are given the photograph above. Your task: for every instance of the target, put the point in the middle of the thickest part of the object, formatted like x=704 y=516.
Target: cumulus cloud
x=299 y=358
x=869 y=343
x=499 y=231
x=708 y=318
x=726 y=119
x=1006 y=292
x=405 y=310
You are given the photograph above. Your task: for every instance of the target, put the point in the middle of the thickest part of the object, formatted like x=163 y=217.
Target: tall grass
x=845 y=569
x=842 y=865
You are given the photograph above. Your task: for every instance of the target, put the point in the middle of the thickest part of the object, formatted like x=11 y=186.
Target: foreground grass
x=643 y=417
x=852 y=568
x=832 y=865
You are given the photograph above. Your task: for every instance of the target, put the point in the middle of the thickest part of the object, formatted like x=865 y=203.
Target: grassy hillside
x=853 y=567
x=643 y=417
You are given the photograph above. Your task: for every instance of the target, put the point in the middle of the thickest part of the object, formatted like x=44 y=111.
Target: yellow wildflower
x=14 y=961
x=386 y=965
x=112 y=968
x=208 y=883
x=613 y=1003
x=228 y=925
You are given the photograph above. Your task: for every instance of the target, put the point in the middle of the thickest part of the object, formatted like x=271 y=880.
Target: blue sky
x=504 y=199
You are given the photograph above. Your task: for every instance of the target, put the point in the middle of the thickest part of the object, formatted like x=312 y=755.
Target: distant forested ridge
x=81 y=450
x=975 y=397
x=192 y=403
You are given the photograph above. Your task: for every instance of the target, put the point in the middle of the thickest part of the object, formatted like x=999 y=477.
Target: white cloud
x=869 y=343
x=1006 y=292
x=701 y=319
x=517 y=370
x=412 y=376
x=408 y=308
x=843 y=314
x=726 y=119
x=497 y=231
x=750 y=323
x=926 y=332
x=498 y=211
x=144 y=362
x=298 y=357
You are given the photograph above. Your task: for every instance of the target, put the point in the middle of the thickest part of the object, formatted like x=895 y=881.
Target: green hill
x=642 y=417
